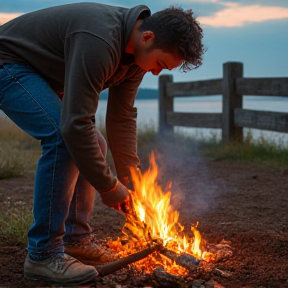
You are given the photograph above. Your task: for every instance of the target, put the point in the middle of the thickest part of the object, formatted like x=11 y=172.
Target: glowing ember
x=154 y=219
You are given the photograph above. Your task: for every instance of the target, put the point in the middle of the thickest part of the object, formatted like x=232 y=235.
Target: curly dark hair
x=177 y=31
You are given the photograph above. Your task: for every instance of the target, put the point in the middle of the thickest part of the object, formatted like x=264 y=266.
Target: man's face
x=154 y=60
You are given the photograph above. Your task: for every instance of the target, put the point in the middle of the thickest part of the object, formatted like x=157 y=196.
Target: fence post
x=165 y=104
x=231 y=100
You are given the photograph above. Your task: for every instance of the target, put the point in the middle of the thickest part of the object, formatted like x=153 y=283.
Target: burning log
x=185 y=260
x=166 y=279
x=106 y=269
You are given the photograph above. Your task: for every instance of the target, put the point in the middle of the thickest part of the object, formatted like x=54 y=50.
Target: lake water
x=148 y=113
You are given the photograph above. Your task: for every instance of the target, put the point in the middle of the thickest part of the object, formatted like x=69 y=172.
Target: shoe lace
x=59 y=261
x=93 y=239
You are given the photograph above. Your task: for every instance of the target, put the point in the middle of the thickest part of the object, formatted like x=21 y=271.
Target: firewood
x=185 y=260
x=166 y=279
x=106 y=269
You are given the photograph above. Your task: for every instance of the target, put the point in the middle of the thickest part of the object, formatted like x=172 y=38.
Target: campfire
x=154 y=240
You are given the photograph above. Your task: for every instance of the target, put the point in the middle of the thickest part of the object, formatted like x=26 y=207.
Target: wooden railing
x=233 y=117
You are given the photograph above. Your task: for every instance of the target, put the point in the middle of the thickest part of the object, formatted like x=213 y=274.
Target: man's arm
x=121 y=124
x=89 y=63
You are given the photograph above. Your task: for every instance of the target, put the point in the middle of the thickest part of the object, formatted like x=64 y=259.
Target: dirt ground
x=241 y=203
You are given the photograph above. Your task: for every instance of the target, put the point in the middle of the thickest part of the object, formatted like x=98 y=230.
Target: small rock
x=198 y=284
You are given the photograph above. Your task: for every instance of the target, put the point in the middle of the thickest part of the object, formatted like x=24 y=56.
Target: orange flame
x=154 y=217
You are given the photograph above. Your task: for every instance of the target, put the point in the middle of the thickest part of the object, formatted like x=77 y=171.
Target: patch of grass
x=266 y=152
x=14 y=221
x=18 y=151
x=146 y=134
x=11 y=164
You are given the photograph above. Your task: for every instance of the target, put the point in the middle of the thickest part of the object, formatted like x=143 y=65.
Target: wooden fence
x=233 y=117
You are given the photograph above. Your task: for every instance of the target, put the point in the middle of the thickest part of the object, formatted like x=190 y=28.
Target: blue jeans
x=63 y=199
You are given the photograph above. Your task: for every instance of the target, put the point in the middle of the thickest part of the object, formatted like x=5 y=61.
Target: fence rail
x=233 y=117
x=262 y=86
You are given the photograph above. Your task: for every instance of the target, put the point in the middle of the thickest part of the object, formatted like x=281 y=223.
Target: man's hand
x=119 y=198
x=125 y=206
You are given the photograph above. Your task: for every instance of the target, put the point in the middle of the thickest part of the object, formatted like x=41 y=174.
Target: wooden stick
x=106 y=269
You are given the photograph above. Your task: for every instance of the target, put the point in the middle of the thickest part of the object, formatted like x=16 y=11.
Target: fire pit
x=185 y=260
x=157 y=243
x=168 y=268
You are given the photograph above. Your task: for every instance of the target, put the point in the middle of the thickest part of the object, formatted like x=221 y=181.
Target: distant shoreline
x=143 y=93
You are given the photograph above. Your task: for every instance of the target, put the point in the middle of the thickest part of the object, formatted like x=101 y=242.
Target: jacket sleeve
x=121 y=125
x=87 y=68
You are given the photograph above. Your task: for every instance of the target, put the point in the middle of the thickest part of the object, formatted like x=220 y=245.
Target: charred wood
x=185 y=260
x=166 y=279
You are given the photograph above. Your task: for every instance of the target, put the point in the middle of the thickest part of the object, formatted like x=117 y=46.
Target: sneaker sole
x=75 y=281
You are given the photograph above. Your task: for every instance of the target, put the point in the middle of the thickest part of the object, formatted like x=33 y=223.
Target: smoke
x=193 y=189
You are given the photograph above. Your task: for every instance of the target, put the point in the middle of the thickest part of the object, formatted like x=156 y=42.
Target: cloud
x=236 y=15
x=5 y=17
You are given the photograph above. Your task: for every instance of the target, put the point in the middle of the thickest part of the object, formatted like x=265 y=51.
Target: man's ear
x=147 y=36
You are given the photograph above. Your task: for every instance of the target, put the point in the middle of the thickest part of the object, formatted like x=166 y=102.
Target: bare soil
x=241 y=203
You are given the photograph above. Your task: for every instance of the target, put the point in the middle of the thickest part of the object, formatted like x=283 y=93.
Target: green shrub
x=14 y=221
